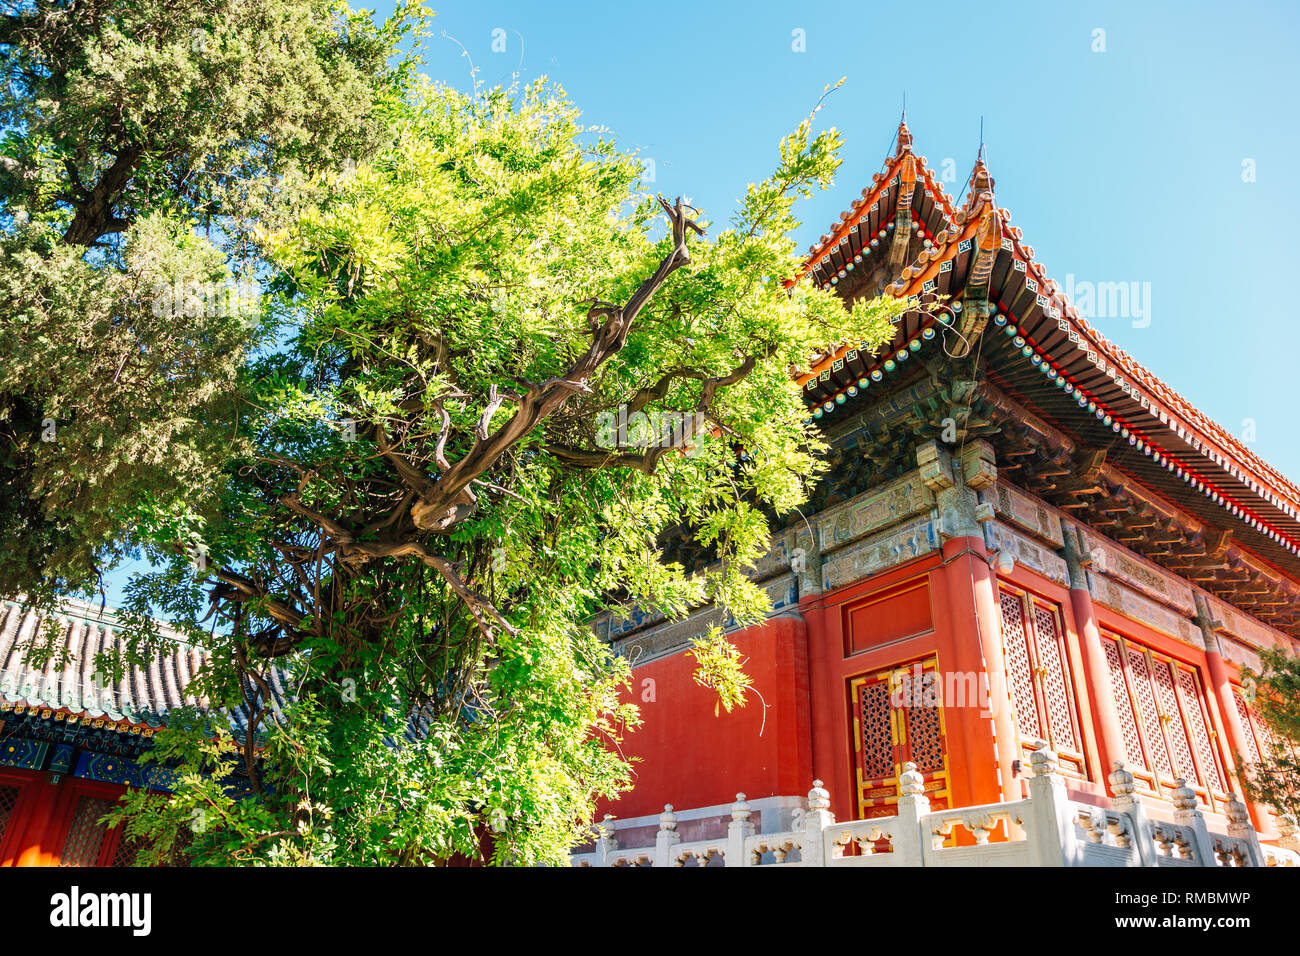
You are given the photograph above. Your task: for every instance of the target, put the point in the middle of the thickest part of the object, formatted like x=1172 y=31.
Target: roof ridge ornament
x=904 y=137
x=981 y=184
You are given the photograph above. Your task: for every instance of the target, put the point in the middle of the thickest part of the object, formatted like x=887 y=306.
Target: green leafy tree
x=1275 y=696
x=484 y=387
x=505 y=377
x=142 y=142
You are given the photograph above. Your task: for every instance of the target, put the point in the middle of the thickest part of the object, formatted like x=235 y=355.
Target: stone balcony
x=1046 y=829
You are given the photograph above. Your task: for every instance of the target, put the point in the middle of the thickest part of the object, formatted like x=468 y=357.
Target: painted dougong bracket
x=956 y=478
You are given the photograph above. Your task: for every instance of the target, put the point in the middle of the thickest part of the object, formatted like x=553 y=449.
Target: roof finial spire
x=904 y=134
x=980 y=182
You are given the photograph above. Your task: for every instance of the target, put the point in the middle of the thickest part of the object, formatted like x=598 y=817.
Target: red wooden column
x=977 y=643
x=1221 y=686
x=1096 y=669
x=970 y=583
x=828 y=761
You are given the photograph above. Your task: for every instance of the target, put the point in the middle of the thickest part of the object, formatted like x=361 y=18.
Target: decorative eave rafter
x=980 y=246
x=867 y=223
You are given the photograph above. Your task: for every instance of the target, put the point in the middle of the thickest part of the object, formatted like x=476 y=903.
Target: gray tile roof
x=142 y=696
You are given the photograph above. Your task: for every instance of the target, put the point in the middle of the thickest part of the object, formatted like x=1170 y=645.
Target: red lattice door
x=1163 y=714
x=896 y=721
x=1038 y=672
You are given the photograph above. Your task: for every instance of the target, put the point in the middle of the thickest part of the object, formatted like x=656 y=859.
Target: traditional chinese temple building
x=71 y=743
x=1028 y=585
x=1082 y=560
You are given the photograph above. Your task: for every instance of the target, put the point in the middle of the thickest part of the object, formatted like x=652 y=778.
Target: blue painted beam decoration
x=91 y=749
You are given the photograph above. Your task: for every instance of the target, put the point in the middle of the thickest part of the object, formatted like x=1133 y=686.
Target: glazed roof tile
x=910 y=169
x=143 y=697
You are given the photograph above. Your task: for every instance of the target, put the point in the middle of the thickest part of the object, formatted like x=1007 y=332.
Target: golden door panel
x=893 y=724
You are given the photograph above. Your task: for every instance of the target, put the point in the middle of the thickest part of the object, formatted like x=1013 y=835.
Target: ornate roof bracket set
x=995 y=351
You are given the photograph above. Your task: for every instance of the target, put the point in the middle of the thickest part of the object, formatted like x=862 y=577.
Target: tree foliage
x=142 y=142
x=1274 y=779
x=440 y=495
x=487 y=376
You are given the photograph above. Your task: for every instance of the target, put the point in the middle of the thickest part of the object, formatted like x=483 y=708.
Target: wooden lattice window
x=1164 y=719
x=8 y=800
x=1260 y=739
x=1124 y=707
x=86 y=834
x=1039 y=674
x=1197 y=719
x=1247 y=719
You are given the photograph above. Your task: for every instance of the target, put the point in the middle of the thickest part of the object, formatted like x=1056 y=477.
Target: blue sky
x=1120 y=166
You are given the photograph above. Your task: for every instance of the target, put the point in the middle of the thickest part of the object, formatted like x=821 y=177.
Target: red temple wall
x=804 y=669
x=691 y=757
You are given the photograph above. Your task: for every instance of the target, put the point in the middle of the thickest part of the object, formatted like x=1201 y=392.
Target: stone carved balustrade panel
x=980 y=822
x=774 y=849
x=1230 y=851
x=874 y=842
x=1175 y=845
x=704 y=853
x=1105 y=836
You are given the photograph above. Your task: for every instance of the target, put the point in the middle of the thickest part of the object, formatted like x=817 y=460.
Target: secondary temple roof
x=1087 y=425
x=142 y=699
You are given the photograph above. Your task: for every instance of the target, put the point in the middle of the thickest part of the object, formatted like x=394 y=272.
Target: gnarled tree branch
x=451 y=501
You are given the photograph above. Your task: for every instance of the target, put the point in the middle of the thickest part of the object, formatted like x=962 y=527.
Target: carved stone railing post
x=738 y=830
x=1240 y=828
x=667 y=837
x=1126 y=801
x=815 y=822
x=913 y=806
x=1186 y=815
x=606 y=844
x=1051 y=825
